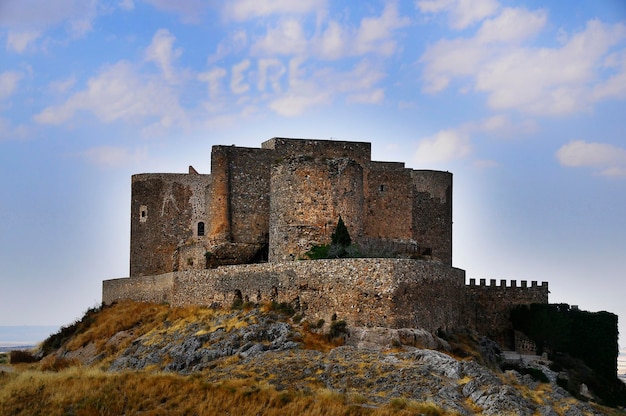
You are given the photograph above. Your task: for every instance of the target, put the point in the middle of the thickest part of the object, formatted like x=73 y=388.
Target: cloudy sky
x=524 y=101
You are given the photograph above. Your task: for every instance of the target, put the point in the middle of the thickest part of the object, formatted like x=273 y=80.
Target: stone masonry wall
x=157 y=289
x=165 y=212
x=249 y=190
x=361 y=152
x=432 y=212
x=389 y=202
x=492 y=304
x=393 y=293
x=307 y=197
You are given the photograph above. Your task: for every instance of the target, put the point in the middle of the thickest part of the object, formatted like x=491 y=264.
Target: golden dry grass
x=86 y=392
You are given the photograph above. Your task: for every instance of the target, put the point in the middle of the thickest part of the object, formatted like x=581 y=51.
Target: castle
x=242 y=232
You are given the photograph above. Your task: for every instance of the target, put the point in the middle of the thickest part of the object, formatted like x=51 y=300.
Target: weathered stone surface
x=393 y=293
x=267 y=348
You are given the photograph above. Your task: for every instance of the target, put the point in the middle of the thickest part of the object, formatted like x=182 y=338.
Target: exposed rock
x=379 y=337
x=264 y=347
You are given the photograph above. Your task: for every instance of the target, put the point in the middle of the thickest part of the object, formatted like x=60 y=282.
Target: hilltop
x=132 y=358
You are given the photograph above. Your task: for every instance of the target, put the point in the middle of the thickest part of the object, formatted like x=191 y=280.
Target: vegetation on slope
x=307 y=373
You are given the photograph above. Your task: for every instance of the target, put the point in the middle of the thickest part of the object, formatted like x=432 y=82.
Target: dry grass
x=86 y=392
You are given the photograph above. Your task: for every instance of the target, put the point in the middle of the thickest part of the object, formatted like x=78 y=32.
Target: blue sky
x=524 y=101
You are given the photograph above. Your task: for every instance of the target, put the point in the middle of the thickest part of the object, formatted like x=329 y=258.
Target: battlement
x=502 y=284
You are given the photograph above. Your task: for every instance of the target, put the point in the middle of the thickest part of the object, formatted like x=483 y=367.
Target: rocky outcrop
x=267 y=347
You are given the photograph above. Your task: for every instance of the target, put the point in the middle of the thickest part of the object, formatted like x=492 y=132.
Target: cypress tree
x=341 y=236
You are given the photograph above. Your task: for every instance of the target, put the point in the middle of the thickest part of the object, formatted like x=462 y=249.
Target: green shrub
x=283 y=307
x=317 y=252
x=337 y=329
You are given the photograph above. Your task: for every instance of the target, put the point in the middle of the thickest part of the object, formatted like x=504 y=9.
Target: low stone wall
x=393 y=293
x=141 y=289
x=493 y=303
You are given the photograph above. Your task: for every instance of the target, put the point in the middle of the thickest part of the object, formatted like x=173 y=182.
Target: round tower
x=307 y=196
x=168 y=220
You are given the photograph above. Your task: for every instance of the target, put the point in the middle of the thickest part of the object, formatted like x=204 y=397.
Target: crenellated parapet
x=493 y=283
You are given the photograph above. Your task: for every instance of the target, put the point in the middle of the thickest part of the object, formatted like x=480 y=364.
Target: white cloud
x=213 y=78
x=109 y=156
x=579 y=153
x=10 y=132
x=376 y=96
x=455 y=143
x=296 y=102
x=34 y=16
x=538 y=80
x=250 y=9
x=19 y=41
x=302 y=93
x=444 y=146
x=501 y=126
x=307 y=90
x=512 y=25
x=234 y=43
x=462 y=13
x=237 y=82
x=615 y=85
x=119 y=93
x=285 y=39
x=375 y=34
x=62 y=86
x=162 y=52
x=270 y=72
x=190 y=11
x=333 y=42
x=8 y=83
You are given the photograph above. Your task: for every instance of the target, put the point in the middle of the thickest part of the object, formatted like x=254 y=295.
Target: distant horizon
x=25 y=335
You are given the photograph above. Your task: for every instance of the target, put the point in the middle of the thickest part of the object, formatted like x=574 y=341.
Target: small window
x=382 y=188
x=143 y=213
x=200 y=229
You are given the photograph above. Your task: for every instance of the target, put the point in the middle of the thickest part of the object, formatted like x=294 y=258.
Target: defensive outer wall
x=393 y=293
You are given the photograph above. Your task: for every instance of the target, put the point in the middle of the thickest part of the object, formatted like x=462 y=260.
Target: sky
x=523 y=101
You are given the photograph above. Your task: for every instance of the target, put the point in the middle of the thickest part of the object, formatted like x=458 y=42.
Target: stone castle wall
x=491 y=305
x=277 y=201
x=394 y=293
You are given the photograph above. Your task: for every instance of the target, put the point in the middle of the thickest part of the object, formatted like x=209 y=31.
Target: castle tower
x=307 y=196
x=432 y=212
x=168 y=211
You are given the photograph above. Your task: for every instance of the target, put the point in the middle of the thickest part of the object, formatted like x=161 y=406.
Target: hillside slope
x=133 y=358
